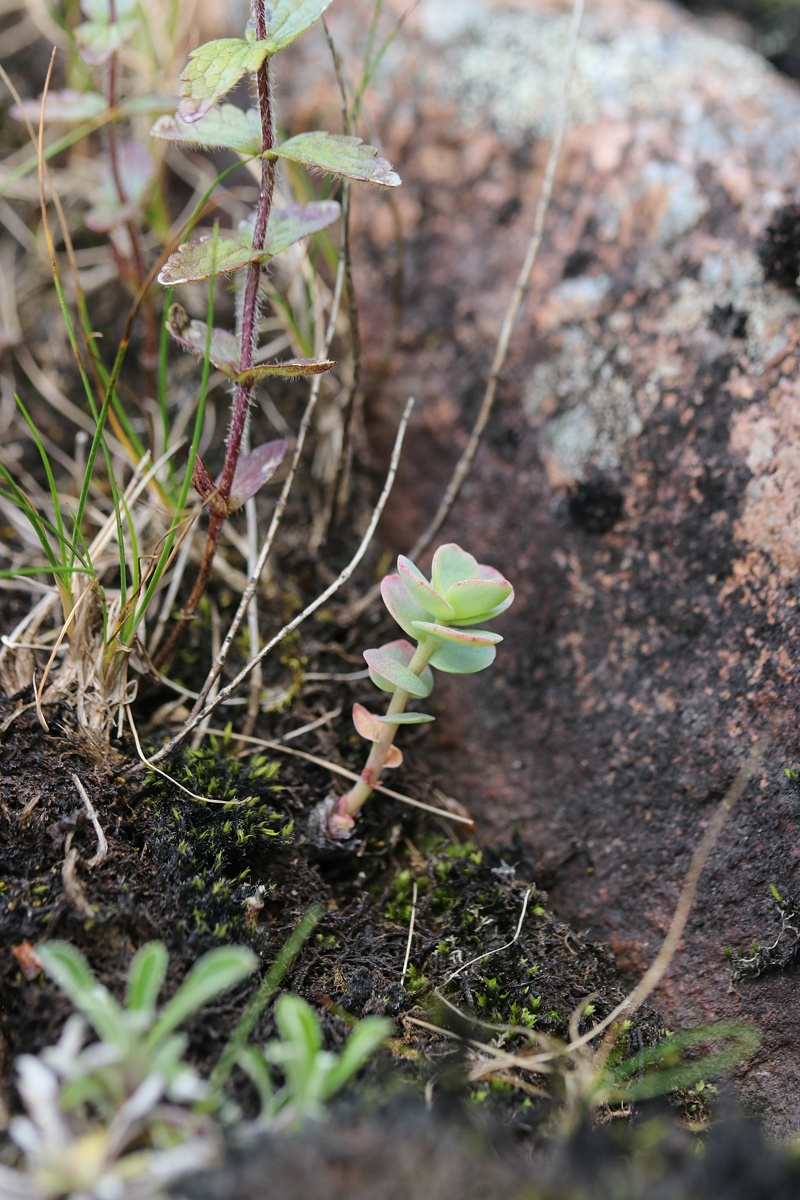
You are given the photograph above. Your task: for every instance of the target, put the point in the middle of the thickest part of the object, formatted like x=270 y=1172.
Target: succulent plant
x=439 y=614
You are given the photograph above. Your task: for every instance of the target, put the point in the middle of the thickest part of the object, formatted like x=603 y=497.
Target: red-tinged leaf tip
x=366 y=723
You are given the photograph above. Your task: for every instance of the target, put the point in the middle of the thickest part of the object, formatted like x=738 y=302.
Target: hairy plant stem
x=351 y=802
x=248 y=338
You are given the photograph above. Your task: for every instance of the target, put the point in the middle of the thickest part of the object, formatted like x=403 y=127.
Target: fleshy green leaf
x=226 y=127
x=214 y=973
x=401 y=604
x=472 y=596
x=462 y=637
x=450 y=565
x=97 y=41
x=289 y=18
x=64 y=107
x=145 y=976
x=423 y=593
x=224 y=349
x=337 y=154
x=215 y=68
x=68 y=968
x=389 y=669
x=406 y=718
x=210 y=256
x=462 y=660
x=290 y=368
x=253 y=470
x=482 y=618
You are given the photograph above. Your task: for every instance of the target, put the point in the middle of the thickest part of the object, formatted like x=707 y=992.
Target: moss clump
x=216 y=851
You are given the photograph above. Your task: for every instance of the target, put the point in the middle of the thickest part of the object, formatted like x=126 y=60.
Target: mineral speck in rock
x=596 y=505
x=779 y=250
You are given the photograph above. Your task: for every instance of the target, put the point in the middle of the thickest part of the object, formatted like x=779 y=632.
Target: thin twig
x=411 y=924
x=489 y=953
x=102 y=844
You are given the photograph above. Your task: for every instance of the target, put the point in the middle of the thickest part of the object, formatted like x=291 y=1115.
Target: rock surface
x=640 y=478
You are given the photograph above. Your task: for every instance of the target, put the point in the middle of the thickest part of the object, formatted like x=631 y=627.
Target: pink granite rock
x=640 y=478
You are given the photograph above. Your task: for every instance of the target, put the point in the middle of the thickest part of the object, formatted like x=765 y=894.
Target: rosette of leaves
x=440 y=615
x=214 y=69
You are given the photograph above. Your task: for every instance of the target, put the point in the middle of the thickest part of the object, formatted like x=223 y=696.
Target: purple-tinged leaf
x=64 y=107
x=388 y=669
x=215 y=68
x=253 y=470
x=297 y=221
x=405 y=718
x=100 y=10
x=474 y=596
x=462 y=660
x=463 y=637
x=366 y=723
x=135 y=173
x=337 y=154
x=289 y=18
x=210 y=256
x=422 y=591
x=401 y=604
x=226 y=127
x=97 y=41
x=292 y=368
x=223 y=347
x=450 y=565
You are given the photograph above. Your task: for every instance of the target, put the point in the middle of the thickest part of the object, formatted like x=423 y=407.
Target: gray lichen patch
x=505 y=69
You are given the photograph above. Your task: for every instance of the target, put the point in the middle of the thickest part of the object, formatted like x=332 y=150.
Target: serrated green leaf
x=406 y=718
x=215 y=68
x=226 y=127
x=68 y=968
x=215 y=972
x=462 y=660
x=64 y=107
x=224 y=349
x=98 y=41
x=210 y=256
x=337 y=154
x=292 y=368
x=289 y=18
x=145 y=976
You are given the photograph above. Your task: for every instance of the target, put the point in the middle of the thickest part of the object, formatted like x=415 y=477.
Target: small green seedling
x=438 y=615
